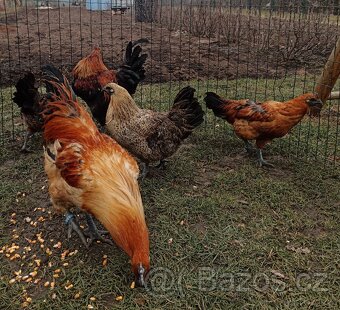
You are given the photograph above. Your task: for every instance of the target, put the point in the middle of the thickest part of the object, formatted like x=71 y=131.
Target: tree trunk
x=336 y=7
x=146 y=10
x=249 y=5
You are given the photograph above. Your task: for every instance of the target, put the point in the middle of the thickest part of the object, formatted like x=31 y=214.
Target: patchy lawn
x=224 y=233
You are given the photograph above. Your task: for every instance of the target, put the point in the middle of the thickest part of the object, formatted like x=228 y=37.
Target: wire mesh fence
x=240 y=49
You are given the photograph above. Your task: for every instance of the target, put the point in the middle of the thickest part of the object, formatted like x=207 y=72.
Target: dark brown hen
x=30 y=102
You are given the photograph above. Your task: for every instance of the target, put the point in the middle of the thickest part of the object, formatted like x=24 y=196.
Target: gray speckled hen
x=148 y=135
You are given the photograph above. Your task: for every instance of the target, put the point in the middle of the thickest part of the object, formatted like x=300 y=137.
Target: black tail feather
x=186 y=111
x=215 y=103
x=132 y=71
x=140 y=41
x=57 y=84
x=27 y=95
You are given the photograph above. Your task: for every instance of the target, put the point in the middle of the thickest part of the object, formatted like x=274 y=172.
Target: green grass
x=269 y=236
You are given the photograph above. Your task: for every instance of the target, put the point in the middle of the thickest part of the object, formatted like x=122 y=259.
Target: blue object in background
x=98 y=5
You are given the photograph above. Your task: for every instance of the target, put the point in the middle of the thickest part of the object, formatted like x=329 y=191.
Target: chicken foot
x=70 y=221
x=162 y=164
x=144 y=171
x=93 y=233
x=24 y=147
x=248 y=147
x=262 y=162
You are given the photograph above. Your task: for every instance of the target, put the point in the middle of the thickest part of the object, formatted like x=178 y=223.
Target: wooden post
x=334 y=95
x=330 y=74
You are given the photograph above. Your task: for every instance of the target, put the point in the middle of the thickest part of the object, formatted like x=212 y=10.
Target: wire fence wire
x=240 y=49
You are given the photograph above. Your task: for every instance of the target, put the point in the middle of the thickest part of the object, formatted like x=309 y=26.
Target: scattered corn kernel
x=33 y=273
x=119 y=298
x=133 y=285
x=17 y=273
x=57 y=245
x=92 y=298
x=76 y=296
x=48 y=251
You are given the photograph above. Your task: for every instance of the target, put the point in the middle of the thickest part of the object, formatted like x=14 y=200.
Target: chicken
x=91 y=171
x=148 y=135
x=29 y=101
x=262 y=122
x=91 y=75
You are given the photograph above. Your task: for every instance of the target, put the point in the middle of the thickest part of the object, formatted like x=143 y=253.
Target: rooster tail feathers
x=27 y=95
x=185 y=93
x=133 y=57
x=140 y=41
x=132 y=71
x=215 y=103
x=57 y=84
x=61 y=100
x=186 y=111
x=64 y=117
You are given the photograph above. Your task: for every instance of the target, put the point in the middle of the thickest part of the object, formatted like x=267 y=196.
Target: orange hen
x=262 y=122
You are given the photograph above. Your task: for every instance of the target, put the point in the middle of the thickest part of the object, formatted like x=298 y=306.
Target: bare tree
x=146 y=10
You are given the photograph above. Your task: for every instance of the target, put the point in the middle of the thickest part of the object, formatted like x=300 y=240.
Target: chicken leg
x=248 y=147
x=161 y=164
x=93 y=233
x=24 y=148
x=144 y=170
x=70 y=221
x=262 y=162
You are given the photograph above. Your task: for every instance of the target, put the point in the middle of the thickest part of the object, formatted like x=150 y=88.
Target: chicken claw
x=262 y=162
x=144 y=170
x=24 y=148
x=93 y=233
x=72 y=224
x=162 y=164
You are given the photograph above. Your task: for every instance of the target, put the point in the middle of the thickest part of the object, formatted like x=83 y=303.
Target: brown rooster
x=262 y=122
x=91 y=75
x=29 y=101
x=151 y=136
x=90 y=171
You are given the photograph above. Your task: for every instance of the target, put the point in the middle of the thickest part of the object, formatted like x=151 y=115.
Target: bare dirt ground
x=31 y=38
